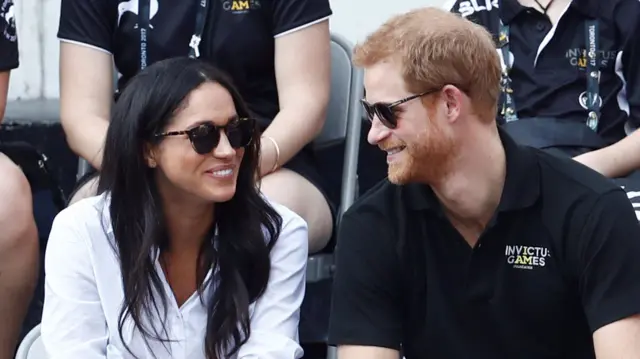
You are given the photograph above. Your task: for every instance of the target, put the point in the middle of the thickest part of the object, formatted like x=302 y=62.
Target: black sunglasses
x=385 y=111
x=205 y=137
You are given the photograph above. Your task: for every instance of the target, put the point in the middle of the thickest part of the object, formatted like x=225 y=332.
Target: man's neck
x=472 y=191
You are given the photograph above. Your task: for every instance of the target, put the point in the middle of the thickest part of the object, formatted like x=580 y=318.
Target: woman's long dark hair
x=247 y=226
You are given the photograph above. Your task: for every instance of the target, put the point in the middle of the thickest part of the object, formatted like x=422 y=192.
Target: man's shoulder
x=378 y=200
x=564 y=175
x=572 y=193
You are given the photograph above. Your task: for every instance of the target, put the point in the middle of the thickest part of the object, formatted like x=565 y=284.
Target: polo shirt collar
x=521 y=187
x=509 y=9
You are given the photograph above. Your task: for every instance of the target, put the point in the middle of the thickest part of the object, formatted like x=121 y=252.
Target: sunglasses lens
x=204 y=138
x=386 y=115
x=368 y=110
x=240 y=132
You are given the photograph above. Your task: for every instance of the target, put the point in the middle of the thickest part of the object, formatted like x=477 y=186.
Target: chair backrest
x=31 y=346
x=338 y=111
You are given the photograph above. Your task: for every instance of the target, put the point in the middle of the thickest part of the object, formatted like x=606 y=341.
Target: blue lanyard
x=508 y=107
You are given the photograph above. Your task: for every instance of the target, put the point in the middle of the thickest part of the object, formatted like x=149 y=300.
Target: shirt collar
x=511 y=8
x=521 y=187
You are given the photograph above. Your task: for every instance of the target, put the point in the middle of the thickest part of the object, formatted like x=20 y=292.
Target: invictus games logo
x=466 y=8
x=525 y=257
x=578 y=57
x=8 y=20
x=240 y=6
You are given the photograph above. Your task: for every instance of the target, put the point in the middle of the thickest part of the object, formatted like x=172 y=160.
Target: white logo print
x=525 y=257
x=8 y=20
x=466 y=8
x=132 y=6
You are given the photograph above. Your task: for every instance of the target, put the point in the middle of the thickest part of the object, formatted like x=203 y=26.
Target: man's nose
x=378 y=132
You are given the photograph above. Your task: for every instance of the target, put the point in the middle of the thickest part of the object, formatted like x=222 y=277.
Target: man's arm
x=602 y=253
x=366 y=314
x=623 y=157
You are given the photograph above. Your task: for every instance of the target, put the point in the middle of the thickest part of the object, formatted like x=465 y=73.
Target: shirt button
x=540 y=26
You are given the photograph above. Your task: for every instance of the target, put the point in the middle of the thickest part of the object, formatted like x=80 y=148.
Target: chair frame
x=27 y=343
x=321 y=266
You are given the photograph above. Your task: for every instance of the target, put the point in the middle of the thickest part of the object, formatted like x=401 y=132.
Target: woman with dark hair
x=277 y=52
x=209 y=268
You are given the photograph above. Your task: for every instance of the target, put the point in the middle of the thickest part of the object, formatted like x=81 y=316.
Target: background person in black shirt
x=18 y=233
x=475 y=247
x=276 y=51
x=549 y=55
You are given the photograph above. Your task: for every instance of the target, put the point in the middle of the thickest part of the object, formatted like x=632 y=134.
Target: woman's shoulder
x=294 y=233
x=87 y=218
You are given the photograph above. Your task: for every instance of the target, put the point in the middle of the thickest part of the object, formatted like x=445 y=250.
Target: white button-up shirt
x=84 y=296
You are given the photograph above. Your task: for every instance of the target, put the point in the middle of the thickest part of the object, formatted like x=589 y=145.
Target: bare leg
x=19 y=254
x=295 y=192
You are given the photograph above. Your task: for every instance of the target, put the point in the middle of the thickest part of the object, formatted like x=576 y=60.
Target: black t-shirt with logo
x=8 y=36
x=549 y=64
x=558 y=261
x=239 y=36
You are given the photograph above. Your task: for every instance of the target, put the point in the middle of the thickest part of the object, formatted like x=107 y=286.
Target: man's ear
x=150 y=156
x=453 y=98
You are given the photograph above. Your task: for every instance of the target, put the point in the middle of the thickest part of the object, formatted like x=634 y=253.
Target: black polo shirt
x=559 y=261
x=549 y=68
x=8 y=36
x=239 y=36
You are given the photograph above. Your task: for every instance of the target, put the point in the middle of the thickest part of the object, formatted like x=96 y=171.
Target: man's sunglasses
x=385 y=111
x=205 y=137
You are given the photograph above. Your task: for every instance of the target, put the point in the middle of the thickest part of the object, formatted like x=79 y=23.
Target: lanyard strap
x=143 y=24
x=593 y=102
x=508 y=103
x=201 y=15
x=593 y=74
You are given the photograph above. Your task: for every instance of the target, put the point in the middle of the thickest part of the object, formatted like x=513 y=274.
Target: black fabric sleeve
x=8 y=37
x=604 y=250
x=367 y=300
x=291 y=14
x=90 y=22
x=627 y=15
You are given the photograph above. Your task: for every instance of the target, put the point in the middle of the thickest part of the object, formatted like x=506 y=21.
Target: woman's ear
x=150 y=156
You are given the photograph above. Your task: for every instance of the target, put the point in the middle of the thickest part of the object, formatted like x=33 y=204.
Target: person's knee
x=88 y=189
x=19 y=235
x=301 y=196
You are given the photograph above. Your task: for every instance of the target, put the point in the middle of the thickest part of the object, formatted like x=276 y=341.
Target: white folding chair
x=344 y=119
x=31 y=346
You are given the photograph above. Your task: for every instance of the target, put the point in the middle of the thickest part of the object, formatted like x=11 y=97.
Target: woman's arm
x=86 y=74
x=4 y=89
x=86 y=93
x=73 y=324
x=276 y=315
x=303 y=74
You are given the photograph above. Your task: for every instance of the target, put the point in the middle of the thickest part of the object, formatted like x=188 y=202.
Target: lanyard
x=143 y=23
x=593 y=102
